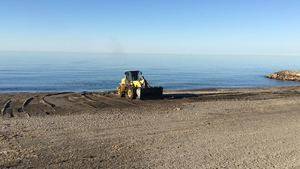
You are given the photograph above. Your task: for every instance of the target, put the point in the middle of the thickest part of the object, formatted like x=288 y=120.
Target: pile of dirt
x=285 y=75
x=68 y=103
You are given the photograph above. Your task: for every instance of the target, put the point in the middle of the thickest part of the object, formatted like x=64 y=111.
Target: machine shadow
x=179 y=96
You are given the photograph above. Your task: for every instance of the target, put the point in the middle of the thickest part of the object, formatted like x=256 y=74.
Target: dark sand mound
x=285 y=75
x=45 y=104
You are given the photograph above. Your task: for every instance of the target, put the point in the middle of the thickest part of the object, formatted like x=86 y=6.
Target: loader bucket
x=151 y=93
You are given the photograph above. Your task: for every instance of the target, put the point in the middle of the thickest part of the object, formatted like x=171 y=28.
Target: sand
x=222 y=128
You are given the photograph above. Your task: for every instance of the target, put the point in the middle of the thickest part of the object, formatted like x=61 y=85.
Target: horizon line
x=150 y=53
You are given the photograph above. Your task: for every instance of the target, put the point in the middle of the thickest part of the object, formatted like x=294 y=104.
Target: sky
x=151 y=26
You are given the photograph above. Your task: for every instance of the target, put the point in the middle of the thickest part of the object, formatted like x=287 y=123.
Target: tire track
x=112 y=101
x=88 y=101
x=24 y=105
x=44 y=101
x=7 y=107
x=88 y=97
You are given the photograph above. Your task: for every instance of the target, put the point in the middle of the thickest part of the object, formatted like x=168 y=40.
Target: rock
x=177 y=108
x=285 y=75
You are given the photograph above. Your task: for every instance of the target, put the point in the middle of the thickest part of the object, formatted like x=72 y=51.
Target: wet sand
x=222 y=128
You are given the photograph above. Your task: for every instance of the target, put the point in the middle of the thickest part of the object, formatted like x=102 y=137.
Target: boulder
x=285 y=75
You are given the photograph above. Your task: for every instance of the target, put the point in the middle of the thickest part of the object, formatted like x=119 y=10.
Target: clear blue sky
x=151 y=26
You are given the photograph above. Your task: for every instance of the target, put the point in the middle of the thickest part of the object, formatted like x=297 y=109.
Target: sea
x=79 y=72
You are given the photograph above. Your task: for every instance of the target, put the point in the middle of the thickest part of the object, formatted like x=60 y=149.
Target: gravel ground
x=236 y=128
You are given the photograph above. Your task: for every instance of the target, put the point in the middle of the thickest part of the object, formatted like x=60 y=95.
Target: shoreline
x=165 y=90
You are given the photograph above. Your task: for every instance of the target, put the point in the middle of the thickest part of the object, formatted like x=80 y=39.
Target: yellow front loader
x=134 y=85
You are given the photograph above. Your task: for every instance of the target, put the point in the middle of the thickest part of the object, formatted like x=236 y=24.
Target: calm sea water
x=45 y=72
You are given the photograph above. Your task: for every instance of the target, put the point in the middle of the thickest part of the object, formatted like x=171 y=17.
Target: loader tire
x=120 y=92
x=130 y=94
x=138 y=93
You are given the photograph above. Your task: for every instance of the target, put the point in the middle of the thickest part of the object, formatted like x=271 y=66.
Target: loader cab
x=133 y=75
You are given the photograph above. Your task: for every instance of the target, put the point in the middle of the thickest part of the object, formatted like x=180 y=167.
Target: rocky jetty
x=285 y=75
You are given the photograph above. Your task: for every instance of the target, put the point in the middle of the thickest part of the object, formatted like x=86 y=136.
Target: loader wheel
x=138 y=93
x=130 y=93
x=120 y=92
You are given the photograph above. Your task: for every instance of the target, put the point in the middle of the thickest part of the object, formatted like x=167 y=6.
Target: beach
x=215 y=128
x=149 y=84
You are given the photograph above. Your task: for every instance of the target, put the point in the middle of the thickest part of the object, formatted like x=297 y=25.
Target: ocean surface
x=57 y=72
